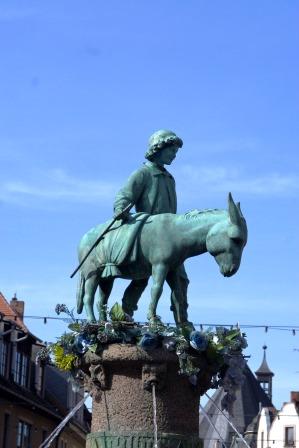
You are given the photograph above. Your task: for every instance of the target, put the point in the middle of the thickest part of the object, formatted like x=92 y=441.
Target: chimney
x=17 y=306
x=295 y=398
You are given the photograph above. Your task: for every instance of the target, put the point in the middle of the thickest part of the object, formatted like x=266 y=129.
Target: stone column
x=122 y=414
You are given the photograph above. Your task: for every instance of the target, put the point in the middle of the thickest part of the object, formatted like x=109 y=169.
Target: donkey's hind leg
x=91 y=285
x=132 y=294
x=179 y=305
x=105 y=288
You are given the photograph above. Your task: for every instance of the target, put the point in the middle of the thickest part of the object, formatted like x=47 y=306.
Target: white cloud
x=56 y=186
x=221 y=179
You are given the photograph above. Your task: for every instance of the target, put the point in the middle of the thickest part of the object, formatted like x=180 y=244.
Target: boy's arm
x=130 y=193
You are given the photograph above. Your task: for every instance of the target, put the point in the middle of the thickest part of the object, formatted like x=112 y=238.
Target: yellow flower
x=62 y=360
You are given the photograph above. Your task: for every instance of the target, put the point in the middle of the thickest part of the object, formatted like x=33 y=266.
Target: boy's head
x=160 y=140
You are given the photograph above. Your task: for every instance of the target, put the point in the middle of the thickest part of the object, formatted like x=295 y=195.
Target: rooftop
x=264 y=369
x=9 y=314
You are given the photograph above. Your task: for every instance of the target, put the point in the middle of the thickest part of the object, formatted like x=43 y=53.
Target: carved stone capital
x=98 y=376
x=95 y=380
x=154 y=374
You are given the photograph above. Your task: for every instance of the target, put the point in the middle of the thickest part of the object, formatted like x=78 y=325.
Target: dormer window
x=21 y=369
x=3 y=357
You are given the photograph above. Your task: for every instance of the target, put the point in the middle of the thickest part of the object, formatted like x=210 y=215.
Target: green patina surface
x=155 y=241
x=140 y=439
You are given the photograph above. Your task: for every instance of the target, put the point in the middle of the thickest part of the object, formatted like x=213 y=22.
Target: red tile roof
x=9 y=314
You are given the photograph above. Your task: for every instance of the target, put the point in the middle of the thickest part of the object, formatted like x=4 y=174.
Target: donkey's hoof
x=186 y=328
x=155 y=320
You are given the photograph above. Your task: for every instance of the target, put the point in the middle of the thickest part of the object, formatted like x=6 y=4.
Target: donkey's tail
x=80 y=293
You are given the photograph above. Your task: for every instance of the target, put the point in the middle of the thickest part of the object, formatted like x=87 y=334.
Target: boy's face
x=166 y=155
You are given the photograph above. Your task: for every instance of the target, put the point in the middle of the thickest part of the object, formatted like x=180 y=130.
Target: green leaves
x=232 y=334
x=75 y=326
x=117 y=314
x=93 y=348
x=203 y=356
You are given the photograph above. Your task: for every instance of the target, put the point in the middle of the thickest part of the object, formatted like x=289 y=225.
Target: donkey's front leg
x=91 y=285
x=159 y=272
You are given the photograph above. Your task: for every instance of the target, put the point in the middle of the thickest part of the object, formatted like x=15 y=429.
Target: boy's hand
x=121 y=215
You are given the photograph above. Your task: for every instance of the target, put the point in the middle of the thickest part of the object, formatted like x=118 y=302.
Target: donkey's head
x=227 y=238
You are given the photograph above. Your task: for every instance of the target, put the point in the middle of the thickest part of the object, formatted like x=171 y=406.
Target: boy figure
x=151 y=189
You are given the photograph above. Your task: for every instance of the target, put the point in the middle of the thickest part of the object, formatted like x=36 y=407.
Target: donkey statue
x=159 y=248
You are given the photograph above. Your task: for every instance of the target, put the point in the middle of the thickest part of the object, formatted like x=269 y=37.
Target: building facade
x=252 y=397
x=34 y=398
x=283 y=430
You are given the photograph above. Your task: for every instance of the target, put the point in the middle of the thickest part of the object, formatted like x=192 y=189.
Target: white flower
x=108 y=327
x=215 y=339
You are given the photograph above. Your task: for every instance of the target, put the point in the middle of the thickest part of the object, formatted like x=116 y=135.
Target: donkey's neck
x=195 y=227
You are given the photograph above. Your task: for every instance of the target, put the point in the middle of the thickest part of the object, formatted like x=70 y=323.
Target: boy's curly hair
x=161 y=139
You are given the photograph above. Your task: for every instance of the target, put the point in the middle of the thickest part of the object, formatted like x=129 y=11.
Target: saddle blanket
x=120 y=244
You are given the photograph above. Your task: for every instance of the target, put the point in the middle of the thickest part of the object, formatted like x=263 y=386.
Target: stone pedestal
x=122 y=414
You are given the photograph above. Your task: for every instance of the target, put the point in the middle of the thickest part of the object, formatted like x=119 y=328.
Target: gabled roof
x=9 y=314
x=250 y=398
x=56 y=379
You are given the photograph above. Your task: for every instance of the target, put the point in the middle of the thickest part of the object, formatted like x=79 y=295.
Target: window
x=289 y=436
x=5 y=430
x=21 y=369
x=62 y=444
x=3 y=357
x=23 y=435
x=44 y=435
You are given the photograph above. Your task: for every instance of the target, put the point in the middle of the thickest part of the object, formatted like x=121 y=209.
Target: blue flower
x=148 y=341
x=198 y=341
x=169 y=343
x=193 y=380
x=81 y=344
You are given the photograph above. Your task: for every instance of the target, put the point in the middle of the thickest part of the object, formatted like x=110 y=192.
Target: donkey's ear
x=233 y=210
x=239 y=208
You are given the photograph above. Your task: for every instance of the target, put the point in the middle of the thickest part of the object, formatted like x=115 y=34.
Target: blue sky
x=84 y=84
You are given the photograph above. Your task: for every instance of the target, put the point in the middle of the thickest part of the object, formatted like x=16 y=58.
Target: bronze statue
x=151 y=189
x=155 y=241
x=163 y=242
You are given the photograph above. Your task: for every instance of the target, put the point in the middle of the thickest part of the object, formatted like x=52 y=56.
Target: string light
x=292 y=328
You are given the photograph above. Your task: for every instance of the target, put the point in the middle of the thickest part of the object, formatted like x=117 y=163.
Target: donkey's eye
x=238 y=240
